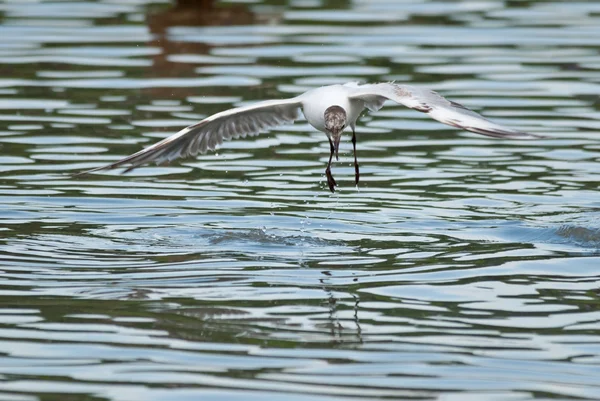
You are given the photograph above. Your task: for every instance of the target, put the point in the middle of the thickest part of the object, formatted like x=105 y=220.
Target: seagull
x=330 y=109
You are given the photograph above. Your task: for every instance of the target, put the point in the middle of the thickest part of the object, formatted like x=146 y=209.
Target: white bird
x=329 y=109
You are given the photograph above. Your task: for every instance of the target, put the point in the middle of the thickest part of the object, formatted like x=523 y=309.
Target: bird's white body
x=351 y=99
x=316 y=101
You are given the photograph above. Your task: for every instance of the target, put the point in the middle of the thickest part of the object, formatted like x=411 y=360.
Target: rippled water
x=462 y=268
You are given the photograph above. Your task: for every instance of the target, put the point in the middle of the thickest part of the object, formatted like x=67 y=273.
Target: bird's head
x=335 y=122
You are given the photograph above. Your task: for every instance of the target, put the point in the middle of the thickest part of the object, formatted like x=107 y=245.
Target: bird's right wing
x=435 y=105
x=212 y=131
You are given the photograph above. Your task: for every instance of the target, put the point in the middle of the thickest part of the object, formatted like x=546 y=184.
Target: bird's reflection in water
x=339 y=333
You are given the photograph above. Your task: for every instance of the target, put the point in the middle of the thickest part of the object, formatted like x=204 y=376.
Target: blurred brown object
x=195 y=3
x=199 y=13
x=187 y=13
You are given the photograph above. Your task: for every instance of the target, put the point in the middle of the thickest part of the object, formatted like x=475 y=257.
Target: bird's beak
x=336 y=143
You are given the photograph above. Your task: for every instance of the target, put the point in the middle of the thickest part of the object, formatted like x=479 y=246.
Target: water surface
x=461 y=268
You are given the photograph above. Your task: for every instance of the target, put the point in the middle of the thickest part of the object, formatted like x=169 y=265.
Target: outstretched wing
x=212 y=131
x=436 y=106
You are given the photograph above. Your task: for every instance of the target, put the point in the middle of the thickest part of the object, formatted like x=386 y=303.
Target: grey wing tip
x=87 y=172
x=102 y=168
x=521 y=135
x=507 y=134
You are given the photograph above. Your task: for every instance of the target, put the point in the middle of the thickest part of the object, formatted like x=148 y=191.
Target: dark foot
x=356 y=173
x=330 y=180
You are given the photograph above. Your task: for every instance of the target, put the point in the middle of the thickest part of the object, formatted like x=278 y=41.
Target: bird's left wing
x=435 y=105
x=212 y=131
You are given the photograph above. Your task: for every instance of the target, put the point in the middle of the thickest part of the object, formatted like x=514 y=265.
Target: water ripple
x=461 y=267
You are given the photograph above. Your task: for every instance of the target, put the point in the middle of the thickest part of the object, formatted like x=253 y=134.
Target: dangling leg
x=330 y=181
x=356 y=173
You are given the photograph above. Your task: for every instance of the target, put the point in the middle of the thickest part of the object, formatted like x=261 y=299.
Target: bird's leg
x=356 y=172
x=330 y=181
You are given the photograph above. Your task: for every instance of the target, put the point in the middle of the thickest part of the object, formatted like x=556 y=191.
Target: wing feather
x=436 y=106
x=212 y=131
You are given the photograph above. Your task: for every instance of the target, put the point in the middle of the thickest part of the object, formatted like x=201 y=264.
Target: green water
x=462 y=268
